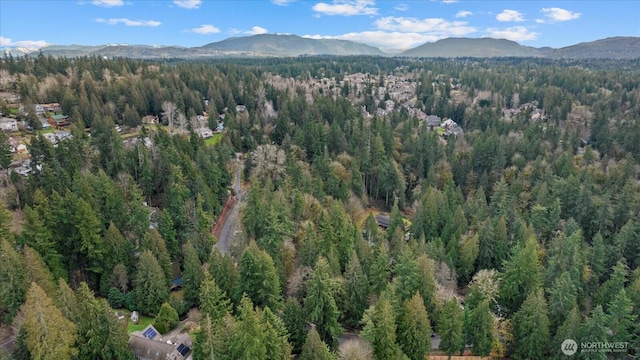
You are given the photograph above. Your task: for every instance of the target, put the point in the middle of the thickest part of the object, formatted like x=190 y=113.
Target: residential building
x=8 y=124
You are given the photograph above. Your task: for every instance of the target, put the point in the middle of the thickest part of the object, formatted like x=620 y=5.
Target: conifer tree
x=380 y=329
x=320 y=305
x=451 y=327
x=531 y=328
x=314 y=348
x=414 y=329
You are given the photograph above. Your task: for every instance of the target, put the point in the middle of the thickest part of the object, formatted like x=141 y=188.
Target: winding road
x=231 y=223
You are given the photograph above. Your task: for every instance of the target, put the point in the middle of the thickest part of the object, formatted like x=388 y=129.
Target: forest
x=505 y=239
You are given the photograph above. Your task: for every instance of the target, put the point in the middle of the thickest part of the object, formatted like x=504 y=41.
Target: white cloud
x=382 y=39
x=558 y=15
x=510 y=15
x=449 y=1
x=282 y=2
x=402 y=7
x=108 y=3
x=129 y=22
x=515 y=33
x=29 y=44
x=440 y=28
x=256 y=30
x=346 y=7
x=206 y=29
x=188 y=4
x=463 y=13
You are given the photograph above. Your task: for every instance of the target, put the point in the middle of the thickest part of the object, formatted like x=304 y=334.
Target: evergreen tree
x=150 y=285
x=49 y=335
x=167 y=317
x=214 y=339
x=522 y=274
x=192 y=275
x=379 y=270
x=13 y=291
x=248 y=342
x=258 y=277
x=320 y=305
x=36 y=271
x=275 y=336
x=481 y=329
x=451 y=327
x=314 y=348
x=621 y=318
x=569 y=329
x=414 y=329
x=213 y=301
x=380 y=329
x=531 y=328
x=594 y=329
x=295 y=321
x=357 y=291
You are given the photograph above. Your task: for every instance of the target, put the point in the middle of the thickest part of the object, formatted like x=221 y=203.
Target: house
x=383 y=220
x=204 y=132
x=22 y=149
x=13 y=144
x=150 y=120
x=150 y=345
x=45 y=123
x=39 y=109
x=451 y=127
x=59 y=120
x=8 y=124
x=220 y=127
x=241 y=108
x=433 y=120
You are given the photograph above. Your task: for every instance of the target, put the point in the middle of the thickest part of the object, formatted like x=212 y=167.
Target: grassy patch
x=143 y=323
x=440 y=131
x=214 y=139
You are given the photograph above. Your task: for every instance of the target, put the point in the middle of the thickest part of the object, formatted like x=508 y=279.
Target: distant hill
x=293 y=45
x=270 y=45
x=473 y=47
x=610 y=48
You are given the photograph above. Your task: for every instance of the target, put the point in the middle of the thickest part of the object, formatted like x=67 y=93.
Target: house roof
x=145 y=348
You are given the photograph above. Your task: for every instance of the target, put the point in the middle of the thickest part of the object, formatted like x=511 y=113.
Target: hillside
x=610 y=48
x=467 y=47
x=293 y=45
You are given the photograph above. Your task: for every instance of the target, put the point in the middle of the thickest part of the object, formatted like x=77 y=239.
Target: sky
x=385 y=24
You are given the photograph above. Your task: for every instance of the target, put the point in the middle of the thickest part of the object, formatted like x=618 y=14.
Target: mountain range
x=277 y=45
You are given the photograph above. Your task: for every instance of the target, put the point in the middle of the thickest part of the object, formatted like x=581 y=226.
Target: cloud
x=206 y=29
x=402 y=7
x=29 y=44
x=107 y=3
x=449 y=1
x=188 y=4
x=282 y=2
x=463 y=13
x=129 y=22
x=440 y=28
x=558 y=15
x=510 y=15
x=383 y=39
x=515 y=33
x=346 y=7
x=256 y=30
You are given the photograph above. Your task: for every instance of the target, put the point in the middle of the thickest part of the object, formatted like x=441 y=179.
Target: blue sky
x=385 y=24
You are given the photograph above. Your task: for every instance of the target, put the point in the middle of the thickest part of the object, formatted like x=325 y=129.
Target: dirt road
x=231 y=224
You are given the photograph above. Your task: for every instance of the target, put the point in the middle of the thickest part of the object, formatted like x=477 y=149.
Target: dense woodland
x=505 y=240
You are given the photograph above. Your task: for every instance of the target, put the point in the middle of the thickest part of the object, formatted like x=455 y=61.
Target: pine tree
x=569 y=329
x=248 y=342
x=214 y=340
x=295 y=321
x=357 y=291
x=481 y=326
x=406 y=276
x=150 y=284
x=258 y=278
x=192 y=275
x=594 y=329
x=621 y=318
x=49 y=335
x=167 y=316
x=36 y=271
x=451 y=327
x=13 y=291
x=522 y=274
x=275 y=336
x=320 y=305
x=380 y=329
x=414 y=329
x=531 y=328
x=379 y=270
x=314 y=348
x=213 y=301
